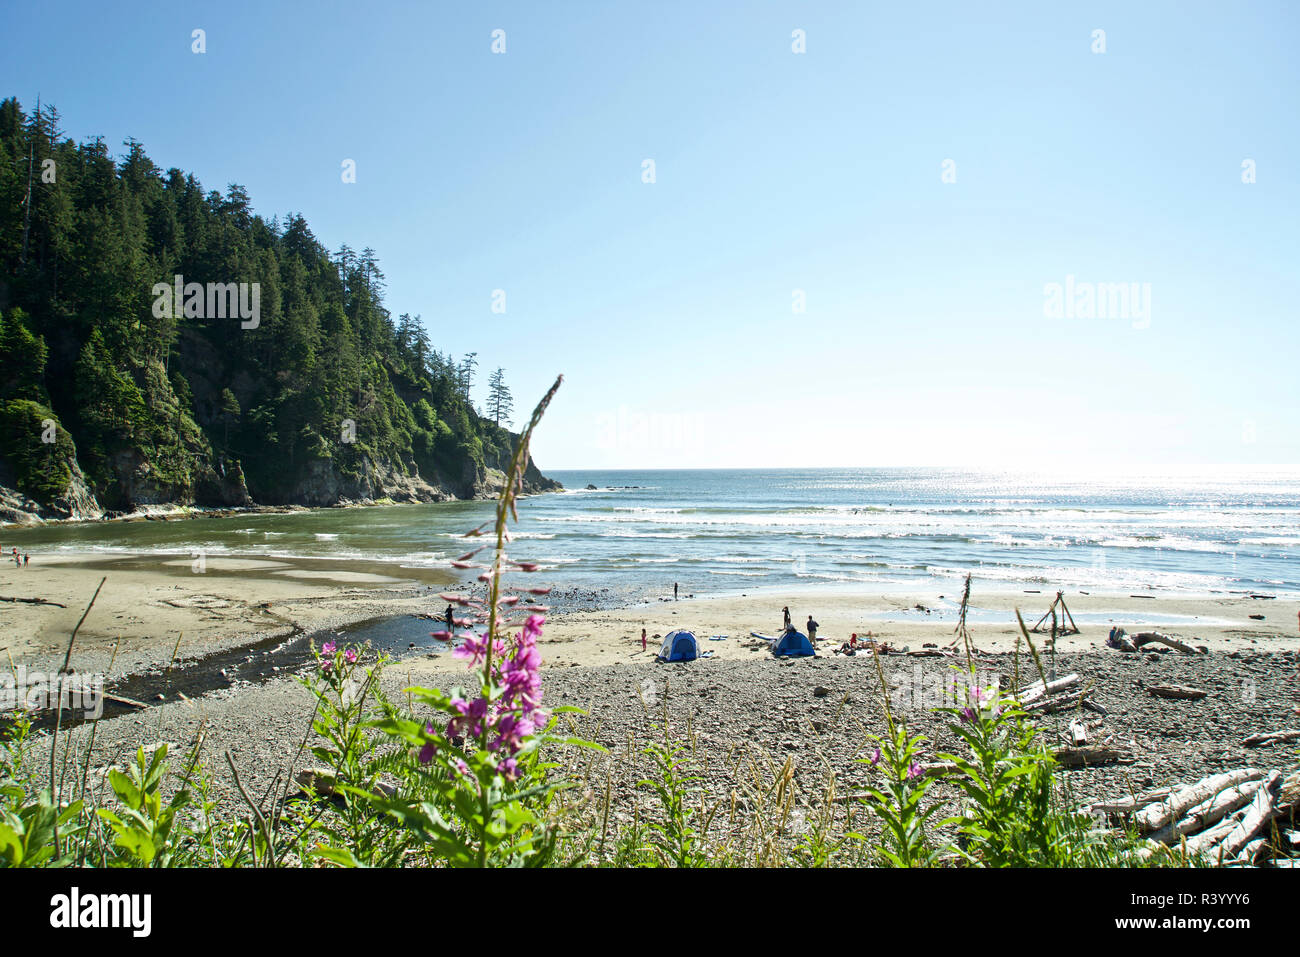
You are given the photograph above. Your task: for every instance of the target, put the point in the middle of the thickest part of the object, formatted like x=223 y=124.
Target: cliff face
x=320 y=483
x=323 y=484
x=76 y=503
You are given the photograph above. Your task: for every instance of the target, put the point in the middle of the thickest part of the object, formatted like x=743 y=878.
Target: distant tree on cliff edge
x=465 y=374
x=500 y=403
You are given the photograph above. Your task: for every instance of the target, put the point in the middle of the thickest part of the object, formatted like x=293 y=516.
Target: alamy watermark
x=626 y=429
x=214 y=300
x=37 y=690
x=919 y=690
x=1098 y=300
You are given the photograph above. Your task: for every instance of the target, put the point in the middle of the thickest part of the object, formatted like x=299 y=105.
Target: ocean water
x=1203 y=532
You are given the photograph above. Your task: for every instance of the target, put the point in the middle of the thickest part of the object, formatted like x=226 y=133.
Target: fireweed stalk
x=508 y=710
x=507 y=707
x=476 y=792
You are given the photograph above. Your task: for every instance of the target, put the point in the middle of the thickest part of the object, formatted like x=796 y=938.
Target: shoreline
x=174 y=512
x=154 y=602
x=738 y=697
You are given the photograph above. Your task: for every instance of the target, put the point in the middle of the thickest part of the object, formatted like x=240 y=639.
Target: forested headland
x=275 y=376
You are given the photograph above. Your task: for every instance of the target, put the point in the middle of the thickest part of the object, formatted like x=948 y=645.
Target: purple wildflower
x=426 y=752
x=474 y=647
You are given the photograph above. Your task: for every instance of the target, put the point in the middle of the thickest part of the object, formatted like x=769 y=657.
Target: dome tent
x=679 y=646
x=792 y=644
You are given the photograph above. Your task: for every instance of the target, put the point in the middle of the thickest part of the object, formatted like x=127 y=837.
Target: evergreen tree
x=500 y=404
x=465 y=373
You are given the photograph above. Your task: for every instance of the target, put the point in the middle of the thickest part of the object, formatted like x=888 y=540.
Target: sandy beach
x=150 y=602
x=590 y=638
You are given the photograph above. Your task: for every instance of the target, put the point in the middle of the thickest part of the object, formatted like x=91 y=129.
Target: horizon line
x=1108 y=468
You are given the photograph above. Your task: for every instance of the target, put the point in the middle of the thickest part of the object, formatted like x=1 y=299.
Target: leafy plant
x=899 y=801
x=144 y=826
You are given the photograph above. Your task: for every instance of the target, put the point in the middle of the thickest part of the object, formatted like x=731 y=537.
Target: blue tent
x=792 y=644
x=679 y=646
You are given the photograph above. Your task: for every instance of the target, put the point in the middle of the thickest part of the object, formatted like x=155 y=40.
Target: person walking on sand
x=26 y=559
x=786 y=626
x=674 y=591
x=450 y=622
x=812 y=630
x=643 y=639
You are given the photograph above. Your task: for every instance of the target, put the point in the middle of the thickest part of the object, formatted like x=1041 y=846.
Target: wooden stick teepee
x=1073 y=629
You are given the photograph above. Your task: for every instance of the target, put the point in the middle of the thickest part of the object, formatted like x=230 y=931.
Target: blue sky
x=669 y=306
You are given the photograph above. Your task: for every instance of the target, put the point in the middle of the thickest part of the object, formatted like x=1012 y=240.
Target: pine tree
x=500 y=403
x=465 y=373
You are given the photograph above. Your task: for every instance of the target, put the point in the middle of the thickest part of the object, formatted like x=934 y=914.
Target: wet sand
x=149 y=603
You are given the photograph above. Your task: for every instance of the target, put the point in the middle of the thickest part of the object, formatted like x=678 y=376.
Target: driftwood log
x=1126 y=805
x=33 y=601
x=1087 y=757
x=1272 y=737
x=1200 y=843
x=1148 y=637
x=1228 y=818
x=1078 y=733
x=1177 y=691
x=1250 y=852
x=1262 y=810
x=1209 y=812
x=1184 y=799
x=1133 y=802
x=1038 y=689
x=1064 y=702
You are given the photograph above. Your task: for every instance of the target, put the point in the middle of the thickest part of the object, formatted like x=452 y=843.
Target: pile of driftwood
x=1243 y=817
x=1065 y=694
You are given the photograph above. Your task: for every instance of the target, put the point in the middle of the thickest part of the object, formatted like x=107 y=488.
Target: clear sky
x=669 y=306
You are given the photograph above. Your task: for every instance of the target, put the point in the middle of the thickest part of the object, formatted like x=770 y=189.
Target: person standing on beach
x=450 y=622
x=643 y=639
x=674 y=591
x=26 y=559
x=812 y=630
x=786 y=626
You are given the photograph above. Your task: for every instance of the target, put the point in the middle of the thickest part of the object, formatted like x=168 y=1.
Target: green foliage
x=347 y=745
x=42 y=470
x=674 y=836
x=22 y=359
x=1014 y=816
x=27 y=824
x=143 y=824
x=189 y=395
x=900 y=800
